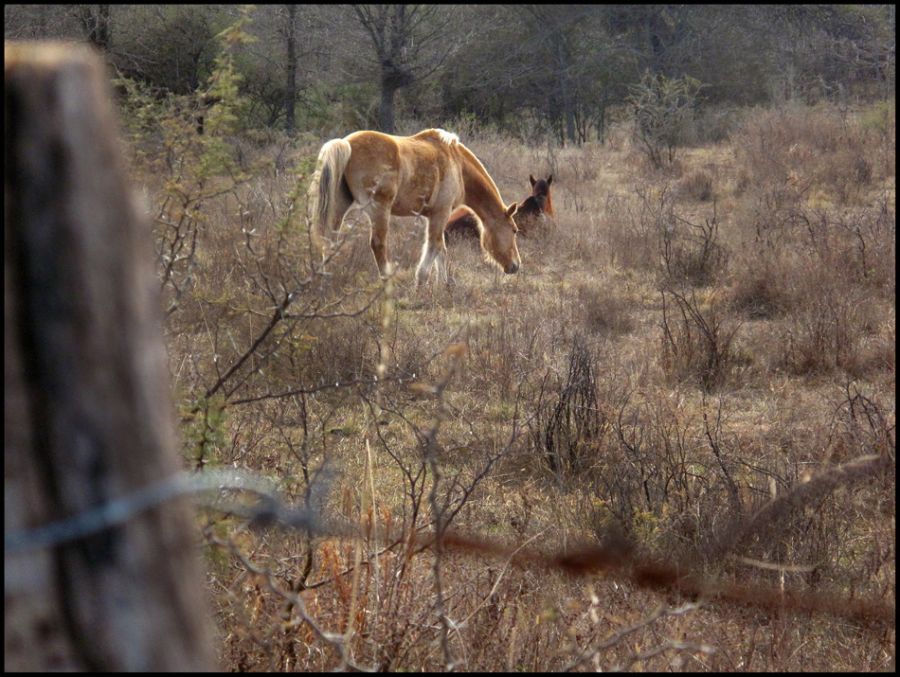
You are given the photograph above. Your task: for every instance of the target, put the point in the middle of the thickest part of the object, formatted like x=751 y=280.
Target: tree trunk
x=103 y=27
x=386 y=111
x=88 y=413
x=565 y=88
x=290 y=94
x=600 y=123
x=96 y=26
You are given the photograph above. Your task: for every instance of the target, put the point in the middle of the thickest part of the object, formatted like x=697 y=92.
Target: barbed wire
x=617 y=558
x=270 y=509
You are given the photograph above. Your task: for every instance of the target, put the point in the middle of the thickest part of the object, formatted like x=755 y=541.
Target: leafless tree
x=411 y=42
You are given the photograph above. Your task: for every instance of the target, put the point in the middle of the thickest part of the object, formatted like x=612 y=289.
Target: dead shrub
x=760 y=287
x=631 y=237
x=801 y=148
x=818 y=268
x=855 y=246
x=646 y=468
x=335 y=350
x=826 y=329
x=860 y=426
x=691 y=252
x=603 y=313
x=696 y=342
x=666 y=475
x=870 y=242
x=769 y=213
x=574 y=425
x=501 y=349
x=688 y=251
x=847 y=172
x=715 y=124
x=697 y=185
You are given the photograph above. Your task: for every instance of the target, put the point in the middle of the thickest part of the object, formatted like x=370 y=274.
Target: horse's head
x=498 y=239
x=540 y=191
x=540 y=186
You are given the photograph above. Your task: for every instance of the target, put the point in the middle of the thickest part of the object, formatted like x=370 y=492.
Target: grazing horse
x=428 y=174
x=532 y=210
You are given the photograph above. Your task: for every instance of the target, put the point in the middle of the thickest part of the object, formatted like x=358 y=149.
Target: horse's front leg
x=434 y=251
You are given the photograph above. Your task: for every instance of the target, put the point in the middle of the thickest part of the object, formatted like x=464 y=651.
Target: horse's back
x=369 y=145
x=369 y=139
x=386 y=152
x=407 y=172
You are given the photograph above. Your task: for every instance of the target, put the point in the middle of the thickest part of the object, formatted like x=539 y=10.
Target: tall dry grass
x=677 y=355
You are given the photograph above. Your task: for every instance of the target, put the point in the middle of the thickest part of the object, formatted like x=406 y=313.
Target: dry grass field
x=695 y=365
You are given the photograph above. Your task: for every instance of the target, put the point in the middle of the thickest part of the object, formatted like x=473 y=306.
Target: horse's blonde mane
x=449 y=138
x=479 y=167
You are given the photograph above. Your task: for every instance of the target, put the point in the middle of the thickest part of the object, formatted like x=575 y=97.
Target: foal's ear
x=511 y=209
x=550 y=179
x=531 y=178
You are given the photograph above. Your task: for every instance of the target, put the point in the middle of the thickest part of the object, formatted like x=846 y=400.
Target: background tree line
x=538 y=71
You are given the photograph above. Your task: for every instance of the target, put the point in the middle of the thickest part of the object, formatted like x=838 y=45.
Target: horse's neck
x=481 y=192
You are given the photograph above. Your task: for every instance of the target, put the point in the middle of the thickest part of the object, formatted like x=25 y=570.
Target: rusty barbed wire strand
x=616 y=558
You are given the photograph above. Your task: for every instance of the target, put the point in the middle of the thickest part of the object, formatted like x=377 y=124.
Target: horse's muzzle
x=513 y=267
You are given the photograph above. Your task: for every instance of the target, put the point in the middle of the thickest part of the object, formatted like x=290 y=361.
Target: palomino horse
x=531 y=211
x=428 y=174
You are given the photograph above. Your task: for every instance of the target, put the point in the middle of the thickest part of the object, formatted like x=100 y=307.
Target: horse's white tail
x=332 y=161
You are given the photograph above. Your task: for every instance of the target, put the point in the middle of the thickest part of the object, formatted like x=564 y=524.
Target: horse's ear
x=511 y=209
x=531 y=178
x=550 y=179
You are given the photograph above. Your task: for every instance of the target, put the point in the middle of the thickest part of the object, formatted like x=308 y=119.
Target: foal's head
x=498 y=239
x=540 y=191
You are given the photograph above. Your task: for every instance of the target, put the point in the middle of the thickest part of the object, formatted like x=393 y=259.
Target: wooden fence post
x=87 y=409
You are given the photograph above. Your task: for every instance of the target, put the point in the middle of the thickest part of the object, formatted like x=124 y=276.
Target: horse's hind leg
x=325 y=236
x=342 y=202
x=380 y=215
